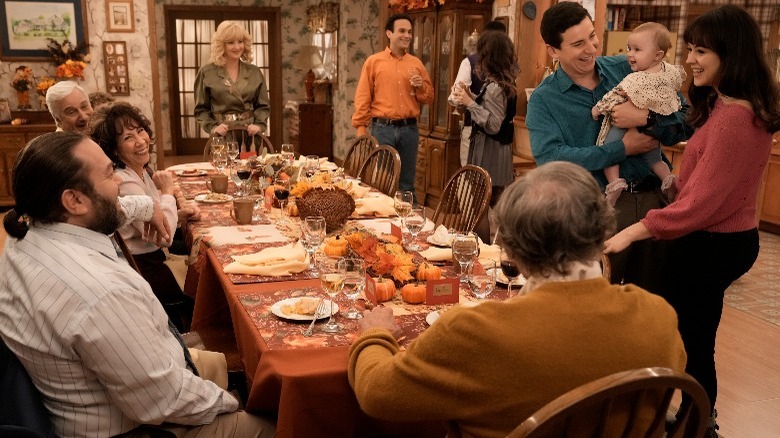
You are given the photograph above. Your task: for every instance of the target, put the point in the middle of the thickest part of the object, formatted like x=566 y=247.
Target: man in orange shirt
x=393 y=86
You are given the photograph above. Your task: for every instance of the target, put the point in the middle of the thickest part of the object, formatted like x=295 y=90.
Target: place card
x=396 y=231
x=442 y=291
x=370 y=290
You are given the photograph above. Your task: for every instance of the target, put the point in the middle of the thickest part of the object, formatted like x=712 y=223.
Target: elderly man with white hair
x=69 y=106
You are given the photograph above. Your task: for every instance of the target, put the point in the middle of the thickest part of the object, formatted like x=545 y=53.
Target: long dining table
x=303 y=380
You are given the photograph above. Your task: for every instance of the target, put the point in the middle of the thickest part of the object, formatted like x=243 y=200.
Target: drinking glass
x=465 y=249
x=510 y=269
x=354 y=282
x=233 y=151
x=288 y=153
x=403 y=201
x=412 y=72
x=257 y=208
x=217 y=144
x=219 y=160
x=282 y=192
x=244 y=172
x=312 y=235
x=414 y=222
x=332 y=281
x=482 y=278
x=312 y=165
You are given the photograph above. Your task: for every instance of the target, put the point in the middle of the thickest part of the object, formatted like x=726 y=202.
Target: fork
x=318 y=313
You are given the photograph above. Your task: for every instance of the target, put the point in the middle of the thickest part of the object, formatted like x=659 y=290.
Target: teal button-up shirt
x=562 y=129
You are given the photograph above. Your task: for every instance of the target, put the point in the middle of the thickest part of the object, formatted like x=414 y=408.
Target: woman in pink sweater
x=735 y=108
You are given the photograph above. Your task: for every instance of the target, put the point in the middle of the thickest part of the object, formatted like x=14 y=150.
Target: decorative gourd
x=427 y=271
x=336 y=247
x=292 y=209
x=385 y=290
x=413 y=293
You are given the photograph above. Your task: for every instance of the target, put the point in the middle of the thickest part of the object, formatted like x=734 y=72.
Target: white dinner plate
x=276 y=309
x=193 y=172
x=213 y=198
x=435 y=315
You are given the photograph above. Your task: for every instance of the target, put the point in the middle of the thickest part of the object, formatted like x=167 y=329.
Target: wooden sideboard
x=12 y=139
x=310 y=128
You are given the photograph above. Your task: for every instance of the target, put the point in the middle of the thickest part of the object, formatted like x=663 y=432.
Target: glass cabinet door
x=422 y=47
x=441 y=88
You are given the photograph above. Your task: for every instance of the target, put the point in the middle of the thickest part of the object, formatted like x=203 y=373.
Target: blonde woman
x=229 y=90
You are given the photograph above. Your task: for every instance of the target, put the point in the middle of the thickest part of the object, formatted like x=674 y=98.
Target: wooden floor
x=748 y=361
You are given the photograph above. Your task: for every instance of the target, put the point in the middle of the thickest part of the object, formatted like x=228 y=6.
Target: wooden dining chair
x=264 y=143
x=464 y=200
x=630 y=403
x=382 y=169
x=358 y=152
x=240 y=135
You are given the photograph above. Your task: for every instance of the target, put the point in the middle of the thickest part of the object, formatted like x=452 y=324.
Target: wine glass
x=282 y=192
x=465 y=249
x=257 y=208
x=482 y=278
x=332 y=281
x=217 y=144
x=458 y=85
x=414 y=222
x=232 y=151
x=312 y=165
x=402 y=201
x=219 y=160
x=412 y=72
x=288 y=153
x=510 y=269
x=312 y=235
x=244 y=173
x=354 y=282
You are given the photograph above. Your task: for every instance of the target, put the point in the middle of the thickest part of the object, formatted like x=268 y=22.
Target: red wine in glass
x=510 y=269
x=244 y=174
x=281 y=193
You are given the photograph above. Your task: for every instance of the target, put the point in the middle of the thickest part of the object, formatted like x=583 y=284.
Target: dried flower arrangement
x=70 y=59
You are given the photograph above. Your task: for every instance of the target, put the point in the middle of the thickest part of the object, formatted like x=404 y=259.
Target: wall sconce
x=308 y=59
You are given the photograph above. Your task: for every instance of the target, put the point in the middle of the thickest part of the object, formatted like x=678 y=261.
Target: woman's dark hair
x=558 y=19
x=108 y=122
x=734 y=36
x=43 y=170
x=498 y=61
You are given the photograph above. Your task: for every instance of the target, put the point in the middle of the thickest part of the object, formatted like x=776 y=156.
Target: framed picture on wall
x=119 y=16
x=5 y=110
x=25 y=26
x=117 y=72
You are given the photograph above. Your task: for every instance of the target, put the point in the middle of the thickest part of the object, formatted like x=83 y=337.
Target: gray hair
x=554 y=215
x=59 y=91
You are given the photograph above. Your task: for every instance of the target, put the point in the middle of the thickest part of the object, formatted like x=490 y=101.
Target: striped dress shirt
x=94 y=338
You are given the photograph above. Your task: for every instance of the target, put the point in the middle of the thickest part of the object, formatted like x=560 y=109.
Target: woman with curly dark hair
x=492 y=111
x=125 y=135
x=711 y=225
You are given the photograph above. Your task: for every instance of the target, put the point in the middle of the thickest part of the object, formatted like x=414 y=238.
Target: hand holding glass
x=412 y=72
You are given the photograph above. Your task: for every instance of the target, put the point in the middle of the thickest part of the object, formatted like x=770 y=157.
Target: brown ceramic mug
x=218 y=183
x=242 y=210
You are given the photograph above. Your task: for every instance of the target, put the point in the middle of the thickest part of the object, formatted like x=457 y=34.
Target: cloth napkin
x=243 y=234
x=442 y=236
x=356 y=190
x=272 y=262
x=490 y=252
x=434 y=254
x=381 y=206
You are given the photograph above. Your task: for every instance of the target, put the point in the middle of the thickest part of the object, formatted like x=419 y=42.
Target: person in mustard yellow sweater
x=485 y=369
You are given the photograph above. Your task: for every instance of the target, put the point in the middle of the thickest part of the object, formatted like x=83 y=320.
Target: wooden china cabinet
x=440 y=35
x=12 y=139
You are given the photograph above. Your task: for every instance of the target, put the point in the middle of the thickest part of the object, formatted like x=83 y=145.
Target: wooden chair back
x=382 y=169
x=606 y=267
x=465 y=199
x=358 y=152
x=240 y=135
x=120 y=242
x=264 y=142
x=630 y=403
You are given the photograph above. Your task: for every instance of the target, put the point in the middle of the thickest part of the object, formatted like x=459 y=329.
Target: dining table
x=301 y=380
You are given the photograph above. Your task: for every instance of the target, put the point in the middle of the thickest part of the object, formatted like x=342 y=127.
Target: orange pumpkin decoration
x=384 y=291
x=335 y=247
x=413 y=293
x=427 y=271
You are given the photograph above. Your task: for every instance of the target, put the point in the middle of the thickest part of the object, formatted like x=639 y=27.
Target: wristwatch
x=651 y=119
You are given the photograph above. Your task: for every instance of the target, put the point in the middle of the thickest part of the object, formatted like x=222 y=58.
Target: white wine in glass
x=414 y=222
x=354 y=283
x=332 y=282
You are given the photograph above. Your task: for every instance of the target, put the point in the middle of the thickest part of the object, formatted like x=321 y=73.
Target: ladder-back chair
x=358 y=152
x=382 y=170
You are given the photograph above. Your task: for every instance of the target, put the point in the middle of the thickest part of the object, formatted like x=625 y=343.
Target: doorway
x=188 y=33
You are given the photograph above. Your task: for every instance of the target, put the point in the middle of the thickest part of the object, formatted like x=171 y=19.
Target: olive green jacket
x=215 y=96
